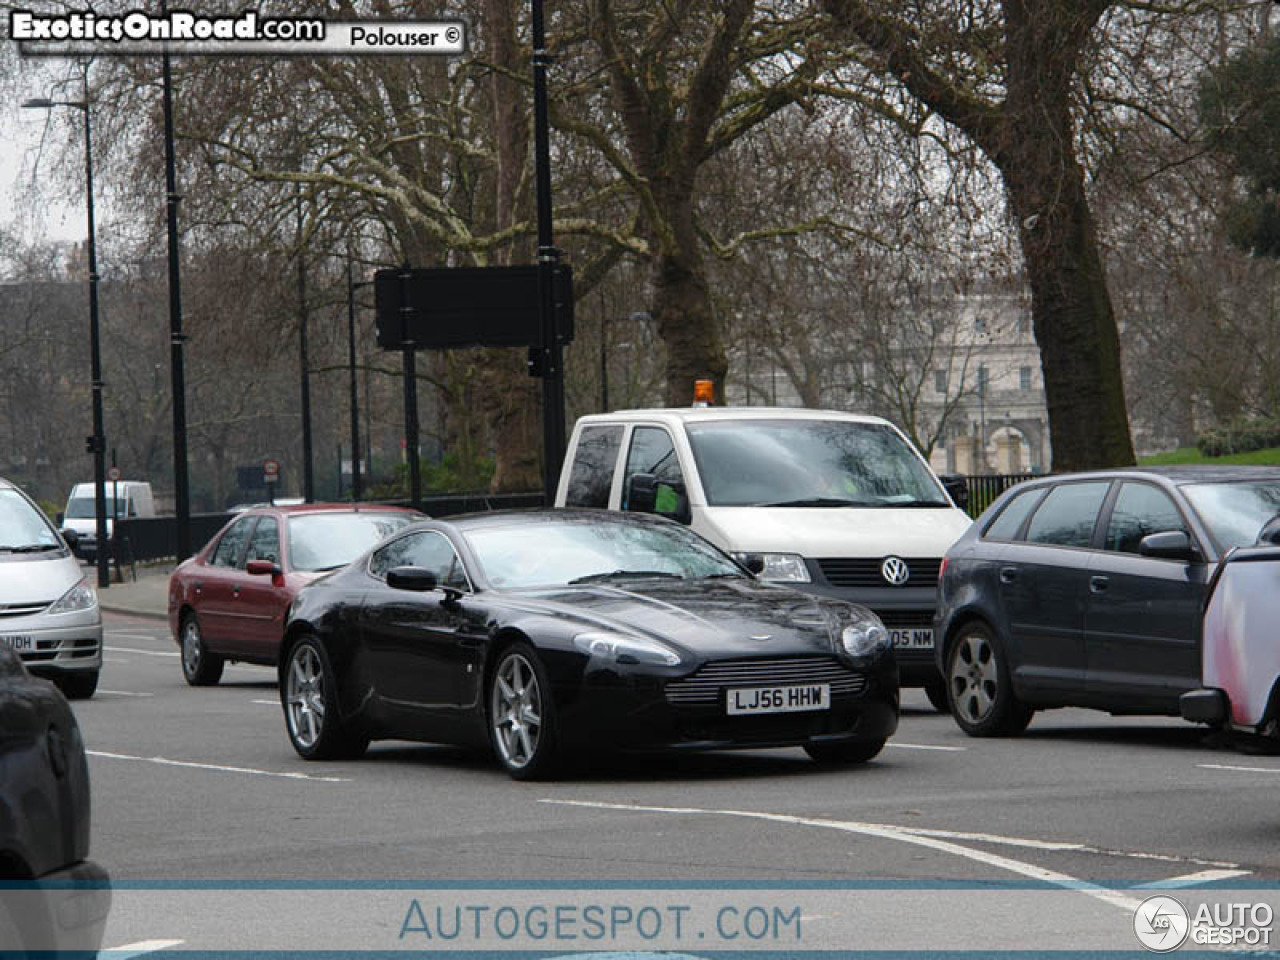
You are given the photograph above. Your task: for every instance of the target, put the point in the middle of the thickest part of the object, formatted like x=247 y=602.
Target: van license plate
x=792 y=699
x=912 y=639
x=19 y=643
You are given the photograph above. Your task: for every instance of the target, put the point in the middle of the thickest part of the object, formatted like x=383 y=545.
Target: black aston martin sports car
x=544 y=633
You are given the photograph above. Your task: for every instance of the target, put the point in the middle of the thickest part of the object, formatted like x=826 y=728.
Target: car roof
x=1177 y=474
x=498 y=518
x=674 y=415
x=293 y=509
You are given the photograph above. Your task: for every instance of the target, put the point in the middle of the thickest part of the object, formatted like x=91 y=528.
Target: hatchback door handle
x=1008 y=574
x=1098 y=584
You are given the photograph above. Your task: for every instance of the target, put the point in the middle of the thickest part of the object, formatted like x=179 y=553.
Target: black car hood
x=730 y=617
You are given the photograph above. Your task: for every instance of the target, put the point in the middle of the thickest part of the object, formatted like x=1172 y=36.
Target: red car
x=230 y=600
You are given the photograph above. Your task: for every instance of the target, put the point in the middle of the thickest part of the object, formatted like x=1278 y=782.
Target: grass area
x=1262 y=458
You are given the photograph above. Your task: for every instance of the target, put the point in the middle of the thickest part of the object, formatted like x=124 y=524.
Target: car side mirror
x=957 y=488
x=1169 y=545
x=417 y=579
x=1269 y=535
x=266 y=568
x=70 y=537
x=754 y=562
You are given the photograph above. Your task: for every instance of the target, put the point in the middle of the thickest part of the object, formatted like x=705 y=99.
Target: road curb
x=132 y=611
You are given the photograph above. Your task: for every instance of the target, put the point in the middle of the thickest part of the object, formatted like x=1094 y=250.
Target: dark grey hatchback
x=1087 y=590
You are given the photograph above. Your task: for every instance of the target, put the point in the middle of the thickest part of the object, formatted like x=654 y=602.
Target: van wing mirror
x=642 y=493
x=957 y=488
x=1169 y=545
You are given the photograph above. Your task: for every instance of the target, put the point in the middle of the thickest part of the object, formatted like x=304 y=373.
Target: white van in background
x=125 y=499
x=822 y=501
x=50 y=610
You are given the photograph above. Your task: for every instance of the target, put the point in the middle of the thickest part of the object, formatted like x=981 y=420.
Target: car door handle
x=1008 y=574
x=1098 y=584
x=235 y=591
x=471 y=641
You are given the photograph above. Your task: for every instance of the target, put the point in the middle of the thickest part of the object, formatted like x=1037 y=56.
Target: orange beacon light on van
x=704 y=393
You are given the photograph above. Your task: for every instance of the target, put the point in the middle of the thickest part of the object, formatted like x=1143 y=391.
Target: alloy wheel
x=516 y=710
x=974 y=677
x=304 y=696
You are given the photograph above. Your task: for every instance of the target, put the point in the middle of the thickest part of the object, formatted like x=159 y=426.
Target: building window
x=1024 y=323
x=983 y=379
x=1024 y=378
x=940 y=381
x=980 y=325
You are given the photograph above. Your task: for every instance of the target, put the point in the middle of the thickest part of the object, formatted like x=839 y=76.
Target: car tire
x=78 y=686
x=844 y=752
x=200 y=667
x=936 y=691
x=521 y=711
x=979 y=687
x=312 y=716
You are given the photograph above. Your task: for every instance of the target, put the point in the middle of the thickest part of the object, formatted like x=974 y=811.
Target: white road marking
x=145 y=653
x=925 y=746
x=130 y=635
x=1203 y=878
x=165 y=761
x=125 y=693
x=139 y=948
x=114 y=660
x=269 y=703
x=939 y=840
x=1228 y=766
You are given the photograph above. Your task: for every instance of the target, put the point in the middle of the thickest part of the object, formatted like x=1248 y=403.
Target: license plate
x=912 y=639
x=19 y=643
x=791 y=699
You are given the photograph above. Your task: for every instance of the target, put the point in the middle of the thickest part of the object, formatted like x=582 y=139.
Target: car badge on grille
x=894 y=570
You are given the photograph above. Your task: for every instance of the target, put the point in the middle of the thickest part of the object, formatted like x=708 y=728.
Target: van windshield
x=81 y=508
x=809 y=463
x=22 y=527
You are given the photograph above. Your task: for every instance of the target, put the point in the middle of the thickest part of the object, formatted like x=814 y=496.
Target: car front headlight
x=80 y=597
x=622 y=649
x=865 y=637
x=782 y=567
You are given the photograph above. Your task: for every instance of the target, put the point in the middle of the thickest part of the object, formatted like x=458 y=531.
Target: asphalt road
x=201 y=785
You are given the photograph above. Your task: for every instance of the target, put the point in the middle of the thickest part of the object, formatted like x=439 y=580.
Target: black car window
x=265 y=542
x=429 y=551
x=651 y=452
x=1140 y=509
x=1009 y=520
x=593 y=464
x=227 y=553
x=1067 y=515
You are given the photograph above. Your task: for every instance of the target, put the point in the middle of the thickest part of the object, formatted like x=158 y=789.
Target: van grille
x=865 y=571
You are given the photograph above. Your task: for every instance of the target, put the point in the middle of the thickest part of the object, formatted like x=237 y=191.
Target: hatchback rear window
x=1009 y=520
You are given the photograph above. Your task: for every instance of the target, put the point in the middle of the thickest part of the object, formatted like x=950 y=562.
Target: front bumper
x=62 y=913
x=57 y=643
x=632 y=712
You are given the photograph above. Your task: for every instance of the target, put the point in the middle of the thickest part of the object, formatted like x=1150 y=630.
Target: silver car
x=48 y=609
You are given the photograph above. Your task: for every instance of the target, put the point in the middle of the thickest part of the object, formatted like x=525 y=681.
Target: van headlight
x=781 y=567
x=865 y=637
x=622 y=649
x=80 y=597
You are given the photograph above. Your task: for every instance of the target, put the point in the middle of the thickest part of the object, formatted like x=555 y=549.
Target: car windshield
x=809 y=463
x=22 y=526
x=1235 y=512
x=326 y=541
x=582 y=550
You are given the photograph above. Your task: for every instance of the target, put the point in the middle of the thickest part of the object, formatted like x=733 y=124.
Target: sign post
x=270 y=477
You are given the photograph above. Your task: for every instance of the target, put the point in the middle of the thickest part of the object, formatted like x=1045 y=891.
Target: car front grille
x=22 y=609
x=865 y=571
x=705 y=686
x=906 y=619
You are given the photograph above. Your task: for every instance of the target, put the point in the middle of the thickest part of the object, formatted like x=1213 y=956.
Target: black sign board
x=469 y=307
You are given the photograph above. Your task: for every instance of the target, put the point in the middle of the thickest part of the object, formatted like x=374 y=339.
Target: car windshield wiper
x=817 y=502
x=623 y=574
x=913 y=503
x=725 y=576
x=31 y=548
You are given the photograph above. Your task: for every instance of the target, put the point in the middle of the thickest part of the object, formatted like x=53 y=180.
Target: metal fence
x=984 y=488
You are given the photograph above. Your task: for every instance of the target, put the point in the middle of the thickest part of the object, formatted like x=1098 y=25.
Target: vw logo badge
x=894 y=570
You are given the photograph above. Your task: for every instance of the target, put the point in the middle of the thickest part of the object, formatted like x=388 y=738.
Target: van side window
x=593 y=464
x=651 y=452
x=228 y=551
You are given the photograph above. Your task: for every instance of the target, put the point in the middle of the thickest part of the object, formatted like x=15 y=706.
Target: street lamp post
x=352 y=286
x=97 y=442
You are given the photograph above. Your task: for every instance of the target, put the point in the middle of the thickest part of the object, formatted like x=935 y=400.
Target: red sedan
x=230 y=600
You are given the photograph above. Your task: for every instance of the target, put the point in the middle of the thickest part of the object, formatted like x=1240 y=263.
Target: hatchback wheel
x=522 y=715
x=982 y=698
x=200 y=667
x=309 y=695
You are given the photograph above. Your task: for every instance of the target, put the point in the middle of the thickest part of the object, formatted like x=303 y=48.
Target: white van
x=48 y=609
x=829 y=503
x=125 y=498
